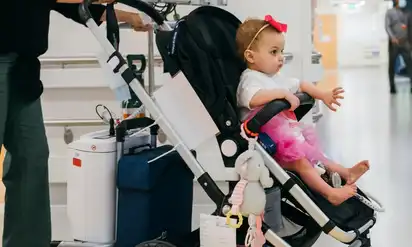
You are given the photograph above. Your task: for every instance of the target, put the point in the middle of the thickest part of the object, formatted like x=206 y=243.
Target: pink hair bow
x=281 y=27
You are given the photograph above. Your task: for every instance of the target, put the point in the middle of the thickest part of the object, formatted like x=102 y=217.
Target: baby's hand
x=293 y=100
x=330 y=98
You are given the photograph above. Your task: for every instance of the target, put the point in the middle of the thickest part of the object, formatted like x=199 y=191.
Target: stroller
x=202 y=46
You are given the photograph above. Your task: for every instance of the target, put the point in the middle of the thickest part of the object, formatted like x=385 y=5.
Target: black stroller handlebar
x=85 y=14
x=84 y=11
x=270 y=110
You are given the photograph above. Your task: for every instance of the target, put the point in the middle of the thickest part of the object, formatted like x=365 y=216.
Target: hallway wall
x=360 y=36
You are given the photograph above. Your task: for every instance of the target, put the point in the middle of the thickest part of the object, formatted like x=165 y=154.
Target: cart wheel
x=155 y=243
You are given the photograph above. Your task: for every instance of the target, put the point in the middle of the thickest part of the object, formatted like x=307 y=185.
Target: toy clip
x=229 y=223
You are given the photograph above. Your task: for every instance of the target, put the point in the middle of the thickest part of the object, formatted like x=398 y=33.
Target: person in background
x=24 y=29
x=398 y=27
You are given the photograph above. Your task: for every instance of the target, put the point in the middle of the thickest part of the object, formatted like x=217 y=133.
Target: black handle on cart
x=85 y=14
x=135 y=123
x=136 y=57
x=84 y=11
x=273 y=108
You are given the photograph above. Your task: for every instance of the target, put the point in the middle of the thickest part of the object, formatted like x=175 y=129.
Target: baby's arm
x=330 y=97
x=312 y=90
x=264 y=96
x=252 y=93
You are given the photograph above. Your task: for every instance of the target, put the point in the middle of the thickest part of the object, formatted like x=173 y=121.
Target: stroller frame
x=119 y=65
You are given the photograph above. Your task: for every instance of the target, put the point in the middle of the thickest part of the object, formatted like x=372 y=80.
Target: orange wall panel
x=325 y=39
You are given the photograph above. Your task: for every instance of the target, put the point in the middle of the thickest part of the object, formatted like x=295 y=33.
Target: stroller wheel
x=155 y=243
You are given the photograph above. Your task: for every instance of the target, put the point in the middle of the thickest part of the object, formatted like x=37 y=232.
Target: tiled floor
x=374 y=125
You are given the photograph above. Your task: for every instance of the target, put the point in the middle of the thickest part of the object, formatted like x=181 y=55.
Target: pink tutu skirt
x=292 y=143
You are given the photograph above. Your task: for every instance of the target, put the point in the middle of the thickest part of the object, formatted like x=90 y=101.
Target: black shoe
x=393 y=91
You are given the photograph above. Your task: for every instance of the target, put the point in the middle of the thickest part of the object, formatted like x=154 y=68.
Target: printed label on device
x=214 y=232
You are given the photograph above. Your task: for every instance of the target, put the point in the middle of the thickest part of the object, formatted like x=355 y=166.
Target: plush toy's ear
x=241 y=161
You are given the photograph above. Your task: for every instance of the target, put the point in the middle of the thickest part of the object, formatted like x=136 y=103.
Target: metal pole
x=150 y=58
x=74 y=122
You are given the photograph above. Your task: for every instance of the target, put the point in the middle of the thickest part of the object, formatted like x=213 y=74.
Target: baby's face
x=269 y=53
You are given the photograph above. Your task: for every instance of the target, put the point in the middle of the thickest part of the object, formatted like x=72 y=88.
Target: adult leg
x=393 y=53
x=27 y=206
x=406 y=55
x=5 y=62
x=4 y=94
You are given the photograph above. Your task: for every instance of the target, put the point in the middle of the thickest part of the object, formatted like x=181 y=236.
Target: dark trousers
x=394 y=52
x=22 y=132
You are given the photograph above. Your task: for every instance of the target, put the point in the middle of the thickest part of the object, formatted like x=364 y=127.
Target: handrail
x=288 y=57
x=316 y=56
x=73 y=122
x=79 y=62
x=93 y=62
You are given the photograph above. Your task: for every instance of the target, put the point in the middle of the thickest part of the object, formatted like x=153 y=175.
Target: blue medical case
x=153 y=198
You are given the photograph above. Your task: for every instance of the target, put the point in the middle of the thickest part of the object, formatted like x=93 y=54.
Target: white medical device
x=91 y=186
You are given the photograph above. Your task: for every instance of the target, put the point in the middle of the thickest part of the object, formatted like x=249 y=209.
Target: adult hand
x=137 y=23
x=80 y=1
x=395 y=41
x=293 y=100
x=330 y=98
x=104 y=1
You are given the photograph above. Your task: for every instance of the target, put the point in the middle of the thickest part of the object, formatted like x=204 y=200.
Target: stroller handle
x=85 y=14
x=270 y=110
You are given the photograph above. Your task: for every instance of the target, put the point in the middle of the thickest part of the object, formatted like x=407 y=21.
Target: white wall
x=73 y=93
x=362 y=40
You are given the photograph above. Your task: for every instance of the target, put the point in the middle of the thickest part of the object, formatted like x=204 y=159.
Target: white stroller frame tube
x=116 y=61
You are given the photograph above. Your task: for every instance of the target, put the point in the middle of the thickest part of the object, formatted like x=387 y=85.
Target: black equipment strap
x=112 y=27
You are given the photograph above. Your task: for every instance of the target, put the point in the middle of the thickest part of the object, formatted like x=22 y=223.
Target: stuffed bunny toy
x=249 y=198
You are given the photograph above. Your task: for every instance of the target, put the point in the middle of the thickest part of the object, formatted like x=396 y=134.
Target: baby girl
x=261 y=44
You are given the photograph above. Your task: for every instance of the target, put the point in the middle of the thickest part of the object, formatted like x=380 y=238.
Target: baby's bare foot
x=340 y=195
x=357 y=171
